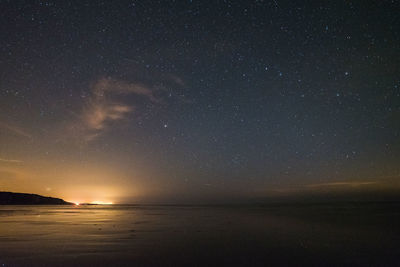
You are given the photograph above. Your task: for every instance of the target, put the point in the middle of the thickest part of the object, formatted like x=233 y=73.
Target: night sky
x=168 y=101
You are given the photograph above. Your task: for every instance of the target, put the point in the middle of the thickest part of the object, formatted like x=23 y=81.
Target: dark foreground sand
x=342 y=234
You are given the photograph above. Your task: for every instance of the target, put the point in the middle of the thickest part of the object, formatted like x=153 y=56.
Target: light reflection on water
x=191 y=235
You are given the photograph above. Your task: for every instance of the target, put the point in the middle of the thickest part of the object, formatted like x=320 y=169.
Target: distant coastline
x=11 y=198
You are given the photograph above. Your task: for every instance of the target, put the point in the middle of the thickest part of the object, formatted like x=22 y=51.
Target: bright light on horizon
x=96 y=202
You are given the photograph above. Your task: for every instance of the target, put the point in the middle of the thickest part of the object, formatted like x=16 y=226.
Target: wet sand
x=341 y=234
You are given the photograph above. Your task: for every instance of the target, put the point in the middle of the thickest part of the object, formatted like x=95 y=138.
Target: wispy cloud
x=342 y=184
x=112 y=101
x=98 y=114
x=106 y=106
x=10 y=160
x=14 y=130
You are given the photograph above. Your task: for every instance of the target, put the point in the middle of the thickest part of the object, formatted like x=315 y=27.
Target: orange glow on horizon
x=97 y=202
x=101 y=202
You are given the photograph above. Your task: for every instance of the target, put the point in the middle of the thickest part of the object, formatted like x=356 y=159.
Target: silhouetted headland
x=10 y=198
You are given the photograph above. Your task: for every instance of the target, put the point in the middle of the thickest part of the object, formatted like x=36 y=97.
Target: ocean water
x=344 y=234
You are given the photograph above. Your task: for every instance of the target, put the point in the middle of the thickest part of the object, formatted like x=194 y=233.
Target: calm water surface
x=280 y=235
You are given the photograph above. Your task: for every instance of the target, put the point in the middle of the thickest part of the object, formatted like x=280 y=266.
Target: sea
x=279 y=234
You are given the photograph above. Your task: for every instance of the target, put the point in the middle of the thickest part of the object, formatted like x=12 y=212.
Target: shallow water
x=325 y=234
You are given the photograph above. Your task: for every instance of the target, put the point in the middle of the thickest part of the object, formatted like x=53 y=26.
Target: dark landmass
x=10 y=198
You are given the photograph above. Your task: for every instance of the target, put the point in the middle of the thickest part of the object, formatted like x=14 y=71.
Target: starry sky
x=163 y=101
